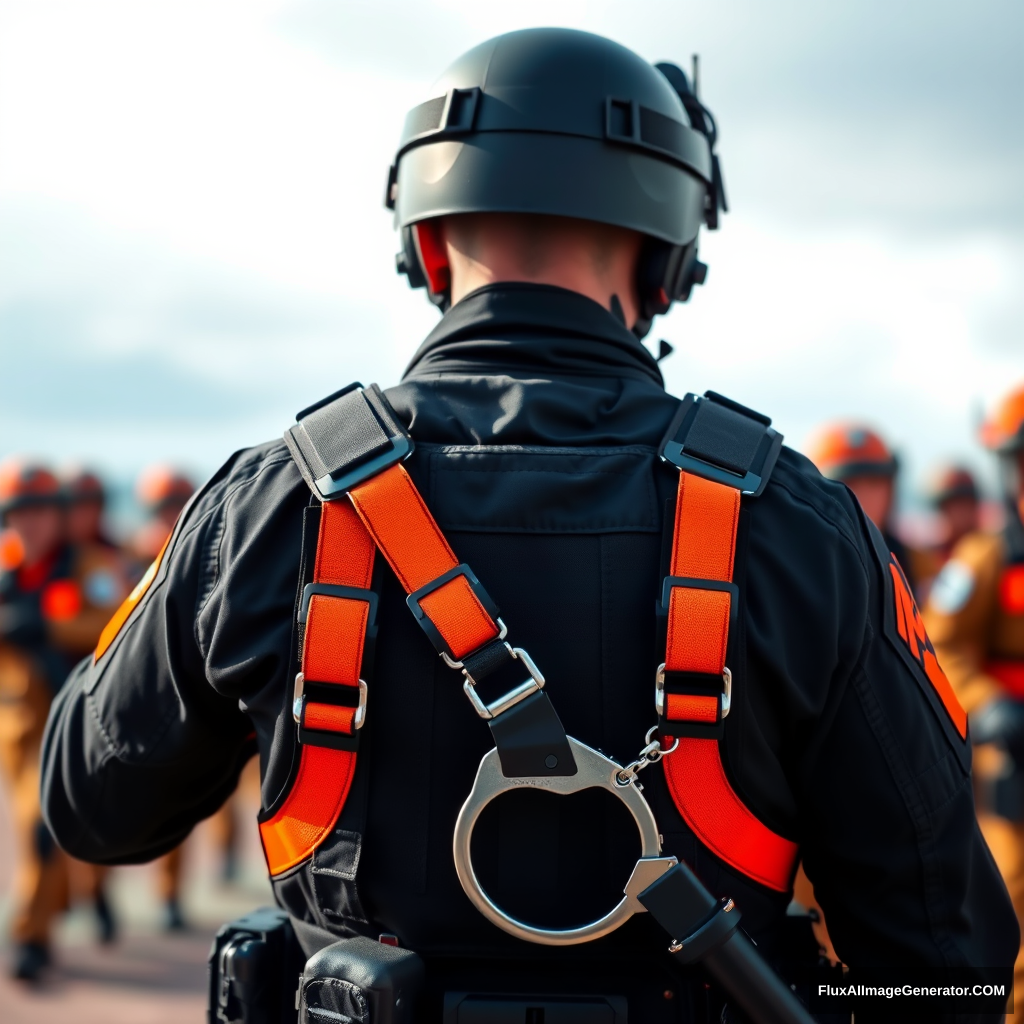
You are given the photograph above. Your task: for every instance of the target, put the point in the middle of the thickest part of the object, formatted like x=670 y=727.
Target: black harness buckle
x=311 y=590
x=345 y=439
x=428 y=627
x=721 y=440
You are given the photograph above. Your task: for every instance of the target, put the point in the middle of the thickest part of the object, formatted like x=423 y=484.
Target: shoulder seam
x=210 y=568
x=840 y=527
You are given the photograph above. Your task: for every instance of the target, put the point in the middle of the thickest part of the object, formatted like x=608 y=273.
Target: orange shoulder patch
x=911 y=630
x=120 y=617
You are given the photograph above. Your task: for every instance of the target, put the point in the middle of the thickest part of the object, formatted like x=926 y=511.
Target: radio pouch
x=254 y=967
x=359 y=981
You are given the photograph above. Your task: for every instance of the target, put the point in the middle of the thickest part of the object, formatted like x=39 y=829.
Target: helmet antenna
x=695 y=76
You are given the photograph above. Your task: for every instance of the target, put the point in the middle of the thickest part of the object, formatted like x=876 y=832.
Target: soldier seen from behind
x=673 y=571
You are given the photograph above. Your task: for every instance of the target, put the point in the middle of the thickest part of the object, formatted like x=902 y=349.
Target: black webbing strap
x=716 y=438
x=345 y=439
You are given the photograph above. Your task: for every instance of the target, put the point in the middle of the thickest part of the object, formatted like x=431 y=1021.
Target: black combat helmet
x=560 y=122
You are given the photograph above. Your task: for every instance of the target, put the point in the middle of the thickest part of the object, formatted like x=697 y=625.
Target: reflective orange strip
x=687 y=707
x=128 y=605
x=704 y=547
x=332 y=653
x=408 y=536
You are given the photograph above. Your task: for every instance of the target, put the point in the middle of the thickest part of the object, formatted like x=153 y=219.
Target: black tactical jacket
x=537 y=419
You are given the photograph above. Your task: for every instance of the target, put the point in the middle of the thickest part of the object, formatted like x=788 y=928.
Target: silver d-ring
x=594 y=771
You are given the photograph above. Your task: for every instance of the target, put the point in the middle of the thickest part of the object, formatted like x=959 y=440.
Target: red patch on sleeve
x=911 y=629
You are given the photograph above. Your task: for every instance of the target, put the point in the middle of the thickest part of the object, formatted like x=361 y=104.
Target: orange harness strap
x=701 y=600
x=445 y=596
x=332 y=655
x=386 y=511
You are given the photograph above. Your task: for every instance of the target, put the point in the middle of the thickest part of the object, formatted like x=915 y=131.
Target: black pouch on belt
x=358 y=981
x=254 y=967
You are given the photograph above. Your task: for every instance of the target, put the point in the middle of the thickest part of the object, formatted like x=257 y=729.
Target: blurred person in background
x=55 y=598
x=86 y=505
x=975 y=617
x=857 y=456
x=952 y=492
x=162 y=491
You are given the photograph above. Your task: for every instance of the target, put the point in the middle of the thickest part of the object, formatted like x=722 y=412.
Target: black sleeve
x=149 y=740
x=889 y=835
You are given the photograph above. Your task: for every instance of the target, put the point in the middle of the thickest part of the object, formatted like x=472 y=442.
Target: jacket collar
x=525 y=329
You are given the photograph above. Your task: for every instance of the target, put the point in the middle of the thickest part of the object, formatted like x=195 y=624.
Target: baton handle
x=704 y=931
x=748 y=980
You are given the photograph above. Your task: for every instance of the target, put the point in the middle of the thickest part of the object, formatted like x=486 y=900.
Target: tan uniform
x=41 y=877
x=978 y=636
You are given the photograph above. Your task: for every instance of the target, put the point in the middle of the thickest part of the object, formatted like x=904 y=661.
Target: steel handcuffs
x=594 y=771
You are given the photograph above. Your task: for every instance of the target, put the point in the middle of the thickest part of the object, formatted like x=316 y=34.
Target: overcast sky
x=193 y=244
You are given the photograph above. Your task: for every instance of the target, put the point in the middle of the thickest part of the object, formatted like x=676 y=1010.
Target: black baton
x=704 y=930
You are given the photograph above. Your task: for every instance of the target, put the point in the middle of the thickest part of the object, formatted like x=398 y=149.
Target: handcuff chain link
x=651 y=754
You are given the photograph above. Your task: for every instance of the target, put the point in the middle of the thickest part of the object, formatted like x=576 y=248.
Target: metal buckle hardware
x=333 y=590
x=503 y=632
x=659 y=691
x=514 y=696
x=595 y=772
x=298 y=698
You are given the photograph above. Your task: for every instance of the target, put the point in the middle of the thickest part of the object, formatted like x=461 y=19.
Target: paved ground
x=146 y=977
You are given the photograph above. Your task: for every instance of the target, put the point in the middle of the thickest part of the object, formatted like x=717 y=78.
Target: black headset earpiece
x=408 y=260
x=667 y=273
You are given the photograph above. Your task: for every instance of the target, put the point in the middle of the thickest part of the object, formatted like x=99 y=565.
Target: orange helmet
x=81 y=484
x=845 y=450
x=162 y=485
x=1003 y=431
x=950 y=481
x=24 y=483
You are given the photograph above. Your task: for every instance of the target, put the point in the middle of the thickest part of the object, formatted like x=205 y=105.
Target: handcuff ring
x=594 y=771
